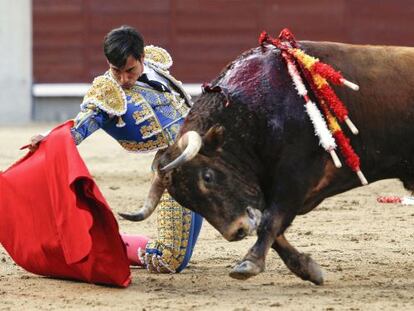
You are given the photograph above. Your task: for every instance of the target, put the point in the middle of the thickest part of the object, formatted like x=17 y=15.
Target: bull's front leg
x=300 y=264
x=273 y=223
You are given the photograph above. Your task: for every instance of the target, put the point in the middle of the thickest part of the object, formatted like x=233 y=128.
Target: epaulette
x=107 y=95
x=158 y=57
x=160 y=60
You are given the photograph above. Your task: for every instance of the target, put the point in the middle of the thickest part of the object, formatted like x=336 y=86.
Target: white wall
x=15 y=61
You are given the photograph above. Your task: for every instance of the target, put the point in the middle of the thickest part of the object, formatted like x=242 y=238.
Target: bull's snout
x=237 y=233
x=243 y=226
x=240 y=234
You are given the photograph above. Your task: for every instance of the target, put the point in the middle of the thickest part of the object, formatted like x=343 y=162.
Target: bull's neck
x=383 y=108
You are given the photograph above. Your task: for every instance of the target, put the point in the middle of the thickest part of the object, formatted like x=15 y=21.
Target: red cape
x=55 y=222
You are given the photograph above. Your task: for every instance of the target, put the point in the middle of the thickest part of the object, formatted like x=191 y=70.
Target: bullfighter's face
x=223 y=193
x=127 y=75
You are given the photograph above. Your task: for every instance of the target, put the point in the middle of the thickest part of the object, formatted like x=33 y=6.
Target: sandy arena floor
x=364 y=247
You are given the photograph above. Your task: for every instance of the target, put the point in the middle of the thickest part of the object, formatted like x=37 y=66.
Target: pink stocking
x=133 y=243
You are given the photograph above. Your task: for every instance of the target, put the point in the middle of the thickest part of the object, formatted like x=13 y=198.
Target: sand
x=365 y=249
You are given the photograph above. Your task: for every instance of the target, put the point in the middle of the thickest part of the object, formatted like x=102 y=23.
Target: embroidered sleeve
x=88 y=121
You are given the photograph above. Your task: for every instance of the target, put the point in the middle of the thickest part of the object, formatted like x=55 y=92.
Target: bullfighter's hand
x=34 y=142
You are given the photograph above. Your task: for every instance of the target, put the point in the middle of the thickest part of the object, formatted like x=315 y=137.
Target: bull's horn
x=156 y=190
x=192 y=143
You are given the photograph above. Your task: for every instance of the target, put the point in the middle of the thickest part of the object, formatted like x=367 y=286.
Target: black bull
x=256 y=147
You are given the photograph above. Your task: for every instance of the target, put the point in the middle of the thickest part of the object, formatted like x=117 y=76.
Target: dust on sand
x=365 y=249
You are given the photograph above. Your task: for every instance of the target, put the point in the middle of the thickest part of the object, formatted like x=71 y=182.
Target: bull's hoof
x=245 y=270
x=315 y=273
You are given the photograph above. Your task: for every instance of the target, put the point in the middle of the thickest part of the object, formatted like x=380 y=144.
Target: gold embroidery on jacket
x=158 y=57
x=136 y=97
x=149 y=130
x=159 y=142
x=142 y=115
x=107 y=95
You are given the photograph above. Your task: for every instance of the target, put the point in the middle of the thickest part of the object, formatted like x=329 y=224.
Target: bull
x=251 y=147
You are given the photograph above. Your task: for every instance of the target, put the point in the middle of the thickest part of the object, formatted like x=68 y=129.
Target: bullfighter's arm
x=87 y=122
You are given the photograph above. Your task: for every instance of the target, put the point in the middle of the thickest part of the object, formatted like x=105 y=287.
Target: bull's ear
x=213 y=140
x=162 y=158
x=156 y=162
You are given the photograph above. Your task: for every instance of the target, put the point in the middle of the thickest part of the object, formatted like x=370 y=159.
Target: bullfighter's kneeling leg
x=178 y=230
x=300 y=264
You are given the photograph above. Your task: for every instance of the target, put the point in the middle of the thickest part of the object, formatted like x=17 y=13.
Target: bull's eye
x=208 y=177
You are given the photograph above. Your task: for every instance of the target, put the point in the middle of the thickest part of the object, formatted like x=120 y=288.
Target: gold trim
x=106 y=94
x=158 y=57
x=150 y=145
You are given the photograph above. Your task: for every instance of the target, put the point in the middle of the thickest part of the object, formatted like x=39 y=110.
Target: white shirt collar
x=146 y=69
x=152 y=75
